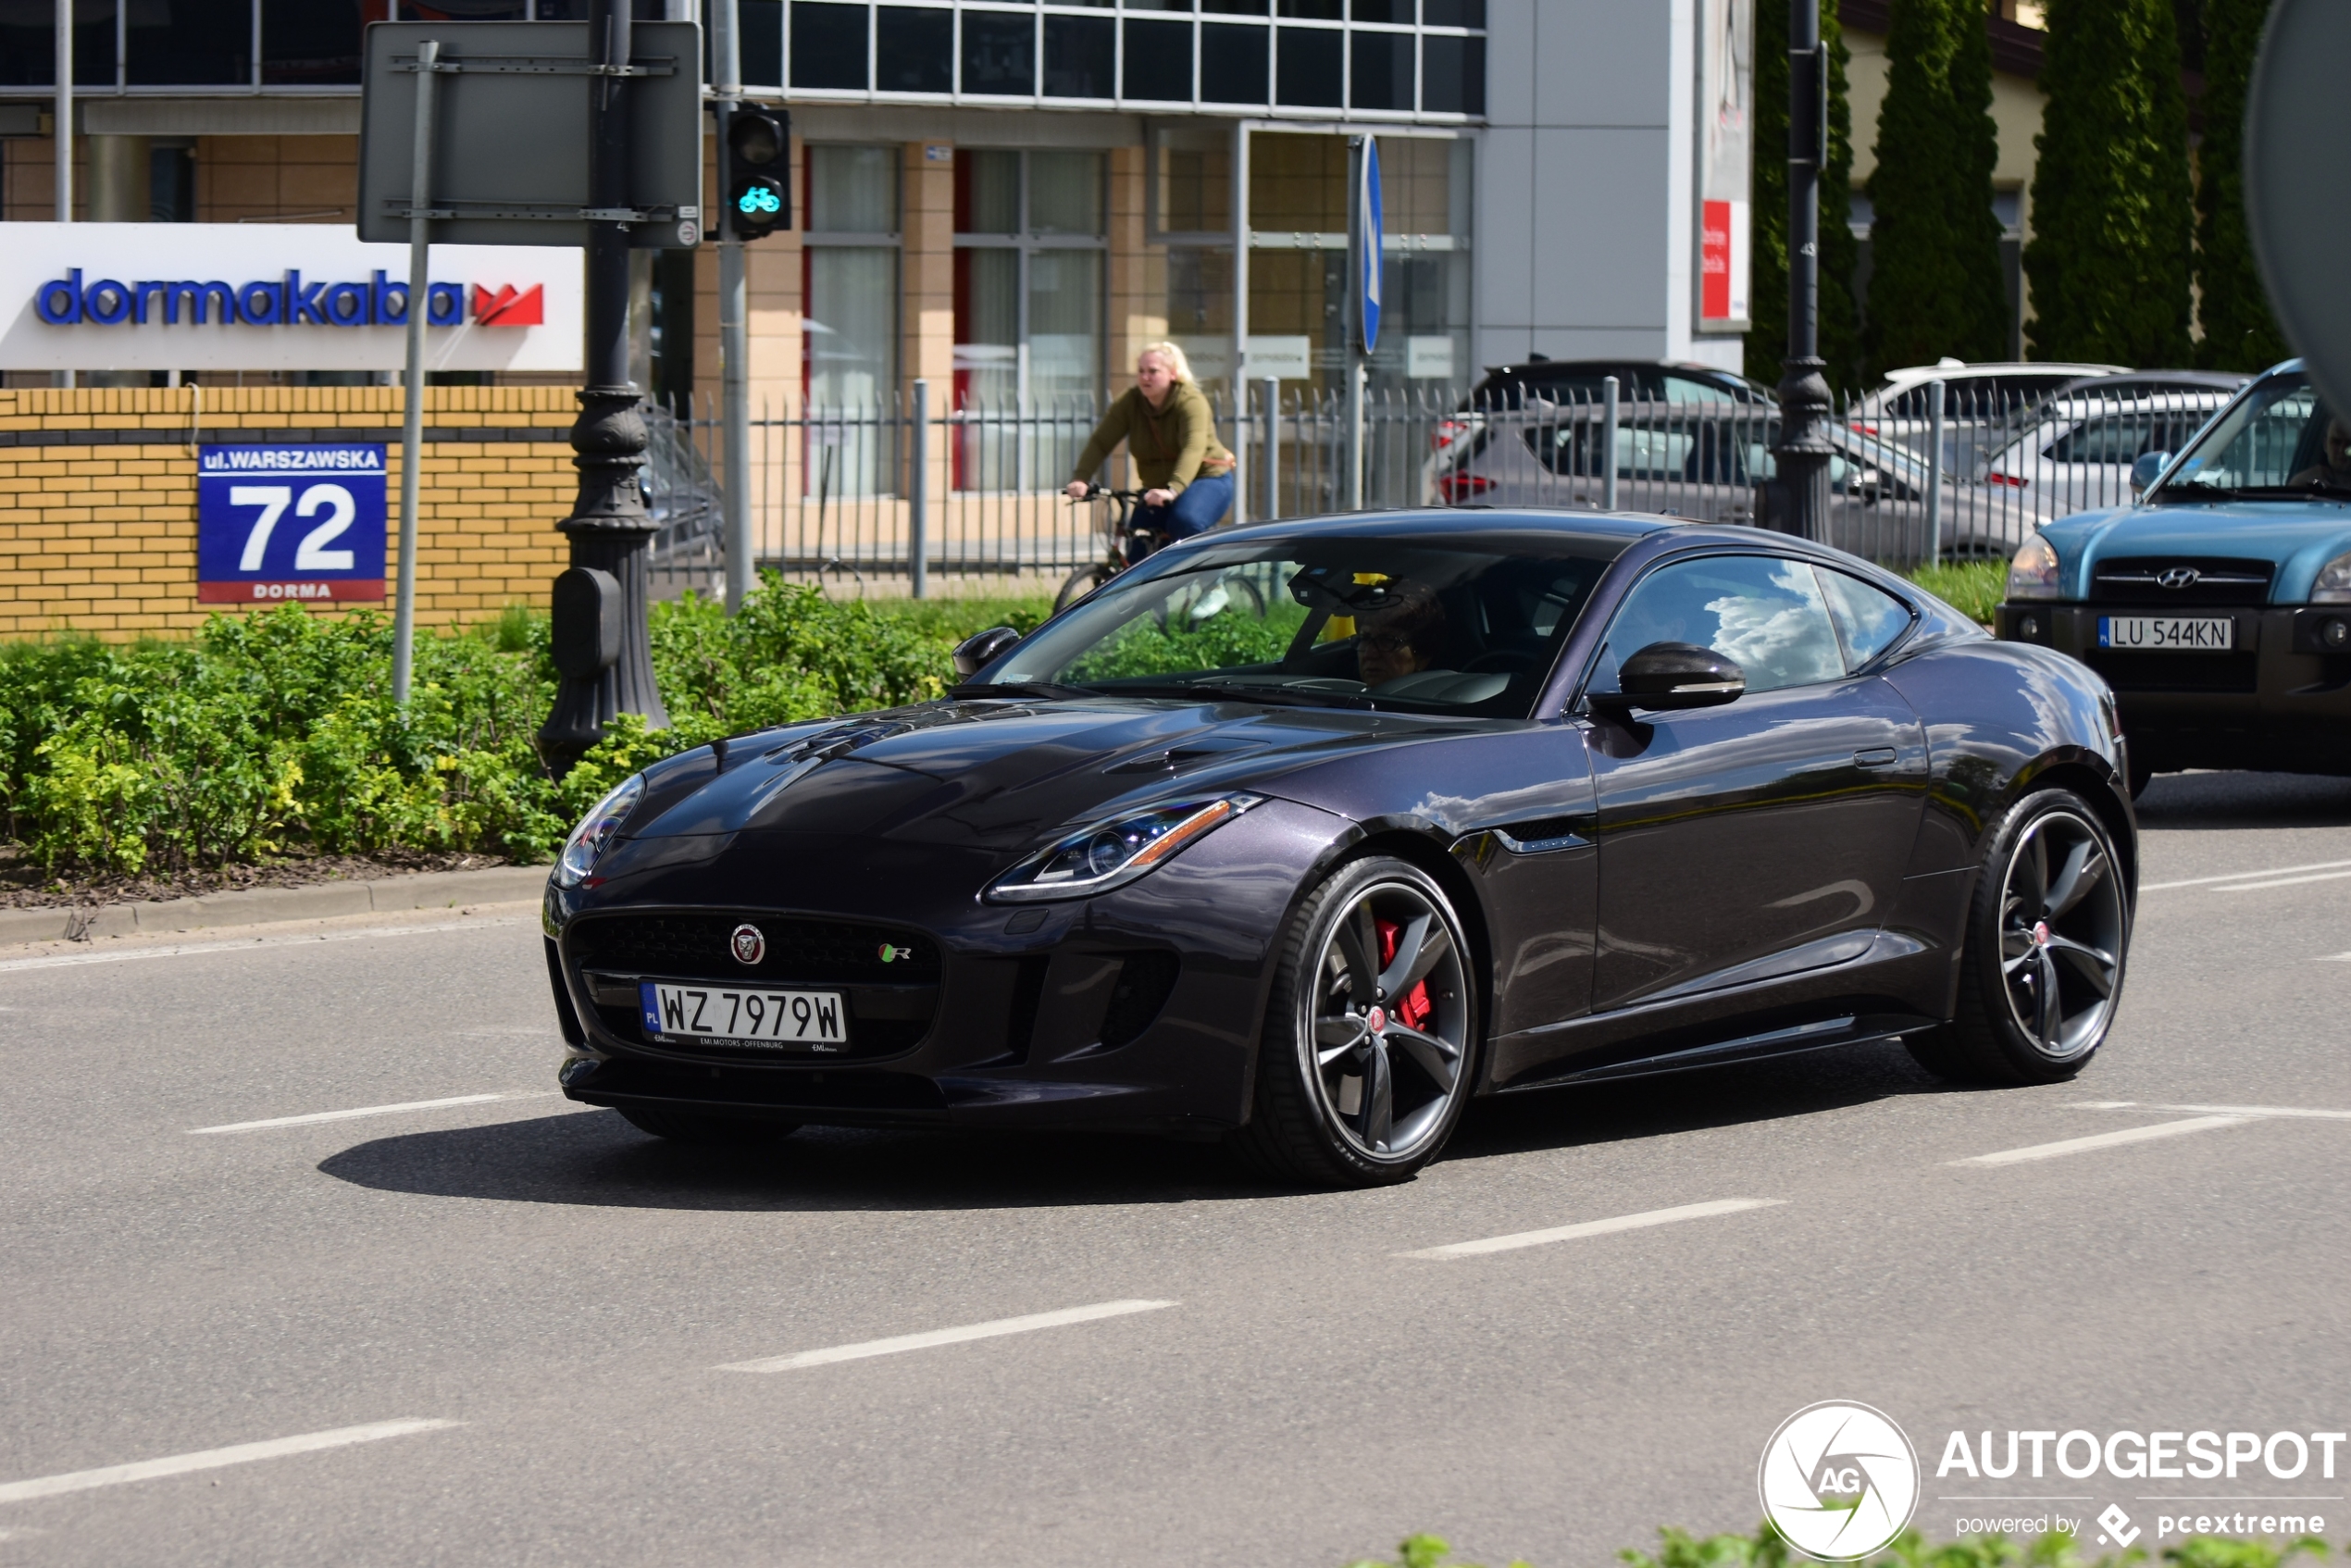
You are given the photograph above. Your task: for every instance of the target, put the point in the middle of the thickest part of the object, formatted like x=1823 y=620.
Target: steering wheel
x=1501 y=662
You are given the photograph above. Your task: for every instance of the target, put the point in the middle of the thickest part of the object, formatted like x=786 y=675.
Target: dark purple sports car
x=1304 y=834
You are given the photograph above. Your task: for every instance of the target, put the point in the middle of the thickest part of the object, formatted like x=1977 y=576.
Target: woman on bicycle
x=1187 y=473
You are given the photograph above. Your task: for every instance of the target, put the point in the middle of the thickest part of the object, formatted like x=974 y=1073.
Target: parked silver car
x=1706 y=463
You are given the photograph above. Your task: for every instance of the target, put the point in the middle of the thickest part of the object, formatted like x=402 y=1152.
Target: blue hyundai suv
x=2218 y=606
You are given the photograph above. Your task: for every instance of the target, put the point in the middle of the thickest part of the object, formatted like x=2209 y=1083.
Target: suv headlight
x=2034 y=572
x=2334 y=584
x=596 y=831
x=1112 y=853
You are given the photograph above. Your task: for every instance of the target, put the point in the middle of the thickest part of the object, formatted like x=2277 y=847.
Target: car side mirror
x=2144 y=471
x=1666 y=676
x=982 y=649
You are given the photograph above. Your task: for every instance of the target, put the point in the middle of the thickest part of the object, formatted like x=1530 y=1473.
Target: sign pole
x=734 y=335
x=62 y=119
x=412 y=413
x=1803 y=451
x=603 y=641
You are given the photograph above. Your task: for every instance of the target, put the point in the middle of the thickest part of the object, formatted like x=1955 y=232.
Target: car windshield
x=2277 y=439
x=1454 y=624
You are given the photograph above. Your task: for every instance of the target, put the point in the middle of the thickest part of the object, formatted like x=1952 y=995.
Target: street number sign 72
x=290 y=522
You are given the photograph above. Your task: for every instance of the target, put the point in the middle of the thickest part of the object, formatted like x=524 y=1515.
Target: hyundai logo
x=749 y=943
x=2177 y=577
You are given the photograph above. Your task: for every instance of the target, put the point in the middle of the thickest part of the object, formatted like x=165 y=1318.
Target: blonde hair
x=1170 y=352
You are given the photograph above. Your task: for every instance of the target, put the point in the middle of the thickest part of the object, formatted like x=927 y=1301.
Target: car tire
x=2048 y=935
x=1357 y=1086
x=705 y=1130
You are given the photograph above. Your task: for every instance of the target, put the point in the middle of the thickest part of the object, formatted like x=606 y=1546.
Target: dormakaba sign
x=237 y=296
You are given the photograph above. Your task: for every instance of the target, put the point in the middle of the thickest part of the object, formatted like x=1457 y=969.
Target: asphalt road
x=574 y=1300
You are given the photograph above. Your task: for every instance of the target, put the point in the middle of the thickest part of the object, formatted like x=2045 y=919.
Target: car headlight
x=1111 y=853
x=2034 y=572
x=2334 y=584
x=596 y=831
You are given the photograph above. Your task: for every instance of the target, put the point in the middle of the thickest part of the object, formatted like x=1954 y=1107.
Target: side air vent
x=1144 y=981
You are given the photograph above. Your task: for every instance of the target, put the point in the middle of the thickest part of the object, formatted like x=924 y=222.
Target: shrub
x=1973 y=587
x=2112 y=211
x=1937 y=285
x=276 y=732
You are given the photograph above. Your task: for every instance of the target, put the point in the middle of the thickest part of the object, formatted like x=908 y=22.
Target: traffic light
x=758 y=173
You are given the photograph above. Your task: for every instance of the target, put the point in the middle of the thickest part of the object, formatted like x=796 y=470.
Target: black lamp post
x=1803 y=451
x=603 y=646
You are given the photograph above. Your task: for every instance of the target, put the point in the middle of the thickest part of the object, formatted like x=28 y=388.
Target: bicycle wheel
x=1082 y=581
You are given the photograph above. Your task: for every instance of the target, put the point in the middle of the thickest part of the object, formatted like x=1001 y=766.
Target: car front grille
x=2180 y=582
x=889 y=976
x=697 y=947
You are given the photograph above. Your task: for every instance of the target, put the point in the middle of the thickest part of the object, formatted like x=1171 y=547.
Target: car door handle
x=1876 y=757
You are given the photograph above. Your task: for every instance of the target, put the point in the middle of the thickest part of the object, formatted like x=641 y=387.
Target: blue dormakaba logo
x=290 y=301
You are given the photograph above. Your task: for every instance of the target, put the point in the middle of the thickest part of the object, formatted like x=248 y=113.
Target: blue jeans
x=1197 y=508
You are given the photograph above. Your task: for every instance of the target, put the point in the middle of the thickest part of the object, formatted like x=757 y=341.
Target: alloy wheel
x=2062 y=929
x=1387 y=1021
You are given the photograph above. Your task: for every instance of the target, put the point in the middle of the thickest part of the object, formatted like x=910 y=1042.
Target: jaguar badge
x=748 y=943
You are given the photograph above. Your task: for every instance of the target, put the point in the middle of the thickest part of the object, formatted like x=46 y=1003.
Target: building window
x=915 y=50
x=1297 y=285
x=829 y=46
x=1080 y=54
x=849 y=278
x=1000 y=53
x=1376 y=56
x=1030 y=309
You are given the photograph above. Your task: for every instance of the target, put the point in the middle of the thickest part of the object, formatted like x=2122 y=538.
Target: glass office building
x=1007 y=199
x=1084 y=158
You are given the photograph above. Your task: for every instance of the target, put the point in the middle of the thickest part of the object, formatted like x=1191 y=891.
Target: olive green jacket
x=1171 y=447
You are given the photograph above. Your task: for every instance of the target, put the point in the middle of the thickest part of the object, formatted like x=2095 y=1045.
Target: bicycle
x=1129 y=545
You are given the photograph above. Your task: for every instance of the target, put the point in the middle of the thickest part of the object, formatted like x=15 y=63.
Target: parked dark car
x=1304 y=834
x=2219 y=604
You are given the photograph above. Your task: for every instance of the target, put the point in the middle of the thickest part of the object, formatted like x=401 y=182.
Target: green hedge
x=1767 y=1548
x=275 y=734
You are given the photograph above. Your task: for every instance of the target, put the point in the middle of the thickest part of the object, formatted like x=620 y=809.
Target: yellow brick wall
x=101 y=539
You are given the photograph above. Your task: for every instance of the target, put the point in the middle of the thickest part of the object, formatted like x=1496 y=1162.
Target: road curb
x=429 y=890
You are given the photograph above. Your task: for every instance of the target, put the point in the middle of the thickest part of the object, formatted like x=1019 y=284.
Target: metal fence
x=847 y=497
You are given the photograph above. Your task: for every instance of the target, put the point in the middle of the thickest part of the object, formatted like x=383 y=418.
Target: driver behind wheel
x=2333 y=468
x=1400 y=638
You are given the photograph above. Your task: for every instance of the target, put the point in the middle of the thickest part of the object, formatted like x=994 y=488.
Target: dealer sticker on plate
x=2195 y=634
x=743 y=1017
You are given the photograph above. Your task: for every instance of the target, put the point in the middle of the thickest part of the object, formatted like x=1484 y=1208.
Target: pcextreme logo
x=1839 y=1480
x=287 y=301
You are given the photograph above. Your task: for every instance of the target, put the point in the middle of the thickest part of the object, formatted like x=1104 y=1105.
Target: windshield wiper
x=973 y=690
x=1284 y=696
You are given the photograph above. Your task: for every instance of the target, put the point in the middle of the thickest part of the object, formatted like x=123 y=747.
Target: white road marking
x=2100 y=1140
x=1594 y=1227
x=374 y=1110
x=2246 y=1110
x=2243 y=876
x=2284 y=882
x=178 y=950
x=2336 y=958
x=214 y=1459
x=945 y=1337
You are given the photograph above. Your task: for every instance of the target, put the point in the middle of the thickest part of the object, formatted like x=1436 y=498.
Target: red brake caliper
x=1413 y=1005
